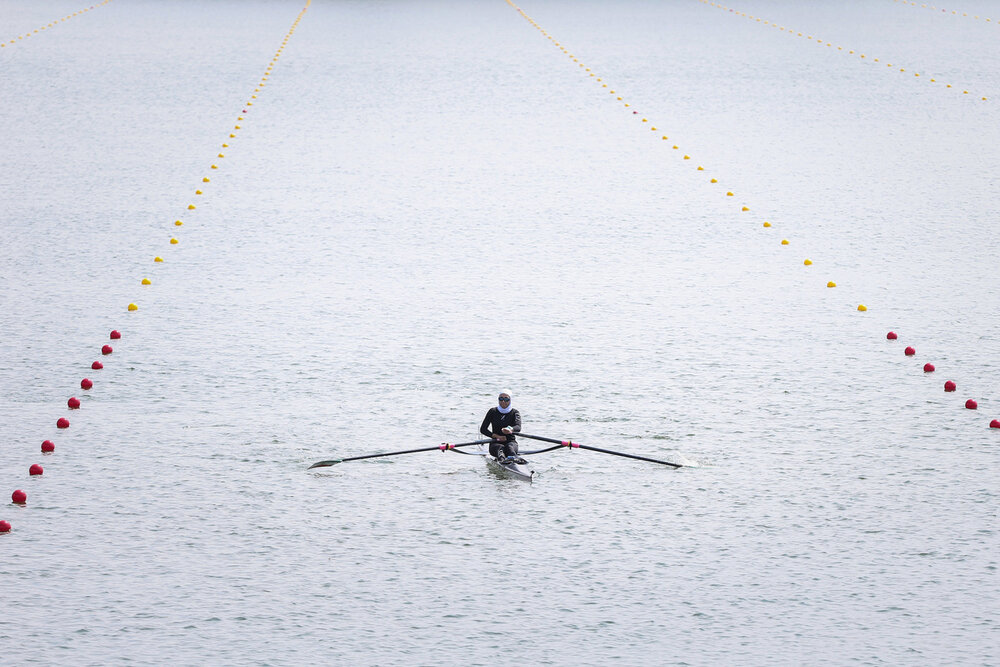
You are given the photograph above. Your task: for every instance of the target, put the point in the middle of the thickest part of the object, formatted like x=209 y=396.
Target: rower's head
x=504 y=399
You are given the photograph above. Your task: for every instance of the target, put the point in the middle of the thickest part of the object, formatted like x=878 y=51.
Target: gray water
x=429 y=202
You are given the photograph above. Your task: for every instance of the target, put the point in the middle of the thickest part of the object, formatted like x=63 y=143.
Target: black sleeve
x=517 y=422
x=484 y=429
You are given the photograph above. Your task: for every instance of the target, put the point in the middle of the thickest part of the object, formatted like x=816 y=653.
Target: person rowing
x=500 y=424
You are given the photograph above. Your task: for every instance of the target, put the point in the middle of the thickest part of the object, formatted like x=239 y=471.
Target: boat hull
x=514 y=470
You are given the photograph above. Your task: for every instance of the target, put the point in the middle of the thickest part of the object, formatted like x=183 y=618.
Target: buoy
x=928 y=368
x=745 y=209
x=950 y=386
x=714 y=180
x=729 y=194
x=19 y=497
x=48 y=446
x=784 y=241
x=221 y=155
x=909 y=351
x=157 y=259
x=831 y=284
x=205 y=180
x=107 y=349
x=687 y=157
x=191 y=207
x=132 y=307
x=700 y=168
x=971 y=404
x=862 y=307
x=767 y=224
x=4 y=526
x=35 y=469
x=73 y=403
x=62 y=422
x=215 y=166
x=198 y=192
x=808 y=262
x=115 y=334
x=145 y=281
x=995 y=423
x=891 y=335
x=174 y=241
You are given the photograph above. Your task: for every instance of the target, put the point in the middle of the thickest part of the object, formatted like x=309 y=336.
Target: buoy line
x=953 y=12
x=821 y=42
x=52 y=24
x=950 y=386
x=19 y=497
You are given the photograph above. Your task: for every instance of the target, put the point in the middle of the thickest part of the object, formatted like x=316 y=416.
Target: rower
x=500 y=424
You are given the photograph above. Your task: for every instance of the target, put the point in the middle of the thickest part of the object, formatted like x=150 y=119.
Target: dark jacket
x=495 y=421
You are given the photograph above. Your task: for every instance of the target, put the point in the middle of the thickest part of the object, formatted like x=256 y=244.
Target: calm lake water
x=429 y=202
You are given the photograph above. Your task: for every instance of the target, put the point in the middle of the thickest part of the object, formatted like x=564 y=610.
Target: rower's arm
x=485 y=428
x=517 y=422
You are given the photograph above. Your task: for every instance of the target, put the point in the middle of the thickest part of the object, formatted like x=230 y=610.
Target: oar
x=570 y=443
x=444 y=446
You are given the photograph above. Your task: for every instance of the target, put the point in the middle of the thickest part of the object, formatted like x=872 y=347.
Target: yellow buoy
x=178 y=223
x=198 y=192
x=157 y=259
x=714 y=180
x=784 y=241
x=729 y=194
x=745 y=208
x=687 y=157
x=205 y=180
x=767 y=224
x=132 y=307
x=831 y=284
x=191 y=207
x=145 y=281
x=174 y=241
x=808 y=262
x=700 y=168
x=215 y=166
x=862 y=307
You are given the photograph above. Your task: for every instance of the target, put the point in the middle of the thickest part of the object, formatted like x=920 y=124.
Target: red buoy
x=891 y=335
x=107 y=349
x=62 y=423
x=4 y=527
x=97 y=365
x=971 y=404
x=85 y=383
x=19 y=497
x=73 y=403
x=909 y=351
x=928 y=368
x=950 y=386
x=115 y=335
x=48 y=446
x=35 y=469
x=995 y=423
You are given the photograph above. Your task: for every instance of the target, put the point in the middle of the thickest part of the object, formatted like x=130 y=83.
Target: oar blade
x=324 y=464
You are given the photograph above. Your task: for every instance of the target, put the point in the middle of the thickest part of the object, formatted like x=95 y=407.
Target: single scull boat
x=508 y=467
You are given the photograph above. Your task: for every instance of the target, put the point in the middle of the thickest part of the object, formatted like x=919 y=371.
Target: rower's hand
x=506 y=431
x=499 y=438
